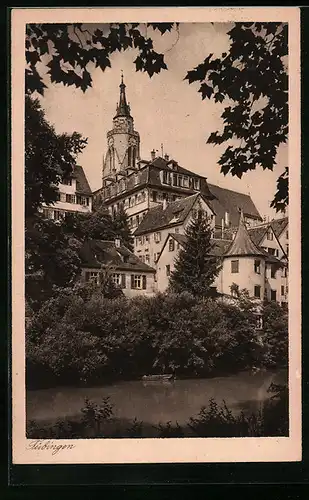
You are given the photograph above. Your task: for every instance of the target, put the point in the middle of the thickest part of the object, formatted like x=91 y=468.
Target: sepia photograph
x=156 y=222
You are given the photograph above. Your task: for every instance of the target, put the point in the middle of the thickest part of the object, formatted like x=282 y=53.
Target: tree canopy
x=49 y=157
x=251 y=78
x=195 y=266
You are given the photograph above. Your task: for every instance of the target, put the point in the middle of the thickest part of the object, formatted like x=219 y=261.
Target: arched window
x=134 y=156
x=130 y=156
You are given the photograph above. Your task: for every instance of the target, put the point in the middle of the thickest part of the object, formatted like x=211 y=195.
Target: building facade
x=128 y=272
x=244 y=266
x=74 y=195
x=140 y=185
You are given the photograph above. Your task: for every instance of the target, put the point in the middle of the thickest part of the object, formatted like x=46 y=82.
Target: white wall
x=128 y=291
x=245 y=278
x=151 y=247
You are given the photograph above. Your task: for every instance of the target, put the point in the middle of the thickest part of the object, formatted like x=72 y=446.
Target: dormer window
x=270 y=235
x=196 y=183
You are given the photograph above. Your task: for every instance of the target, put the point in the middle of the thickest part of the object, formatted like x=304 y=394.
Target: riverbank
x=212 y=420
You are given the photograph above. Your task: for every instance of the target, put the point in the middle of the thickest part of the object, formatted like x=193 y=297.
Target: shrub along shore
x=81 y=337
x=213 y=420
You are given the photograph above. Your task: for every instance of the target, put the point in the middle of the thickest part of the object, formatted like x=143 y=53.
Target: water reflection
x=155 y=402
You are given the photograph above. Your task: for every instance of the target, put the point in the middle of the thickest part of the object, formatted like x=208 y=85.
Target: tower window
x=257 y=266
x=257 y=291
x=273 y=294
x=235 y=266
x=272 y=271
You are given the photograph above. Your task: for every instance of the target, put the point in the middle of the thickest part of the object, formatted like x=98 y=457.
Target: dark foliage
x=82 y=335
x=252 y=79
x=49 y=157
x=195 y=268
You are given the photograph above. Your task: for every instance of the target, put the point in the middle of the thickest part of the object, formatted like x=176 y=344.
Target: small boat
x=158 y=378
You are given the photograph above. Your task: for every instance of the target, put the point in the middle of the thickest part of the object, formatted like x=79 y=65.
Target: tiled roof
x=257 y=233
x=231 y=201
x=95 y=253
x=82 y=186
x=278 y=225
x=242 y=243
x=218 y=246
x=175 y=212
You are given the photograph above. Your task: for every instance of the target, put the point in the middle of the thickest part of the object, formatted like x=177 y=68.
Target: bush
x=213 y=420
x=82 y=335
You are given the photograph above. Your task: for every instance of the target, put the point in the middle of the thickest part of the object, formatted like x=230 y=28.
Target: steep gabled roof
x=242 y=244
x=231 y=202
x=175 y=213
x=279 y=225
x=98 y=253
x=217 y=250
x=82 y=186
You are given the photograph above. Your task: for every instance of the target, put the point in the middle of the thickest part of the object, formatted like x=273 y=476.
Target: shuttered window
x=138 y=282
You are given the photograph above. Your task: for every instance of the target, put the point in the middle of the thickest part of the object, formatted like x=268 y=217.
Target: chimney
x=117 y=242
x=153 y=154
x=166 y=157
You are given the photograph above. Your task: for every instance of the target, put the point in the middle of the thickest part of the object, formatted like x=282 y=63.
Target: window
x=58 y=215
x=67 y=182
x=168 y=270
x=154 y=196
x=259 y=322
x=272 y=271
x=235 y=266
x=174 y=179
x=257 y=266
x=282 y=289
x=70 y=198
x=140 y=240
x=138 y=281
x=271 y=251
x=137 y=220
x=147 y=259
x=185 y=181
x=119 y=280
x=257 y=291
x=270 y=235
x=287 y=235
x=157 y=237
x=171 y=245
x=46 y=213
x=174 y=198
x=62 y=197
x=176 y=230
x=146 y=237
x=287 y=249
x=284 y=272
x=196 y=183
x=273 y=294
x=92 y=276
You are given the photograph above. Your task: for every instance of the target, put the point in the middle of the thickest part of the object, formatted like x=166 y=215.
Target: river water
x=155 y=402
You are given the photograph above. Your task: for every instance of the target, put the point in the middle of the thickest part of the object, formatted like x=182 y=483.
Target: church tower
x=123 y=141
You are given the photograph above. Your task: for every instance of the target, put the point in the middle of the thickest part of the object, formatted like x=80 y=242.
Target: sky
x=166 y=110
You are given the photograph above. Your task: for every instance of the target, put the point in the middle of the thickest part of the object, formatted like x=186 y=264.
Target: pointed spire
x=123 y=109
x=242 y=243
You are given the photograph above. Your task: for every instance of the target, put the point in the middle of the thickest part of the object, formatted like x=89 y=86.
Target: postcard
x=156 y=237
